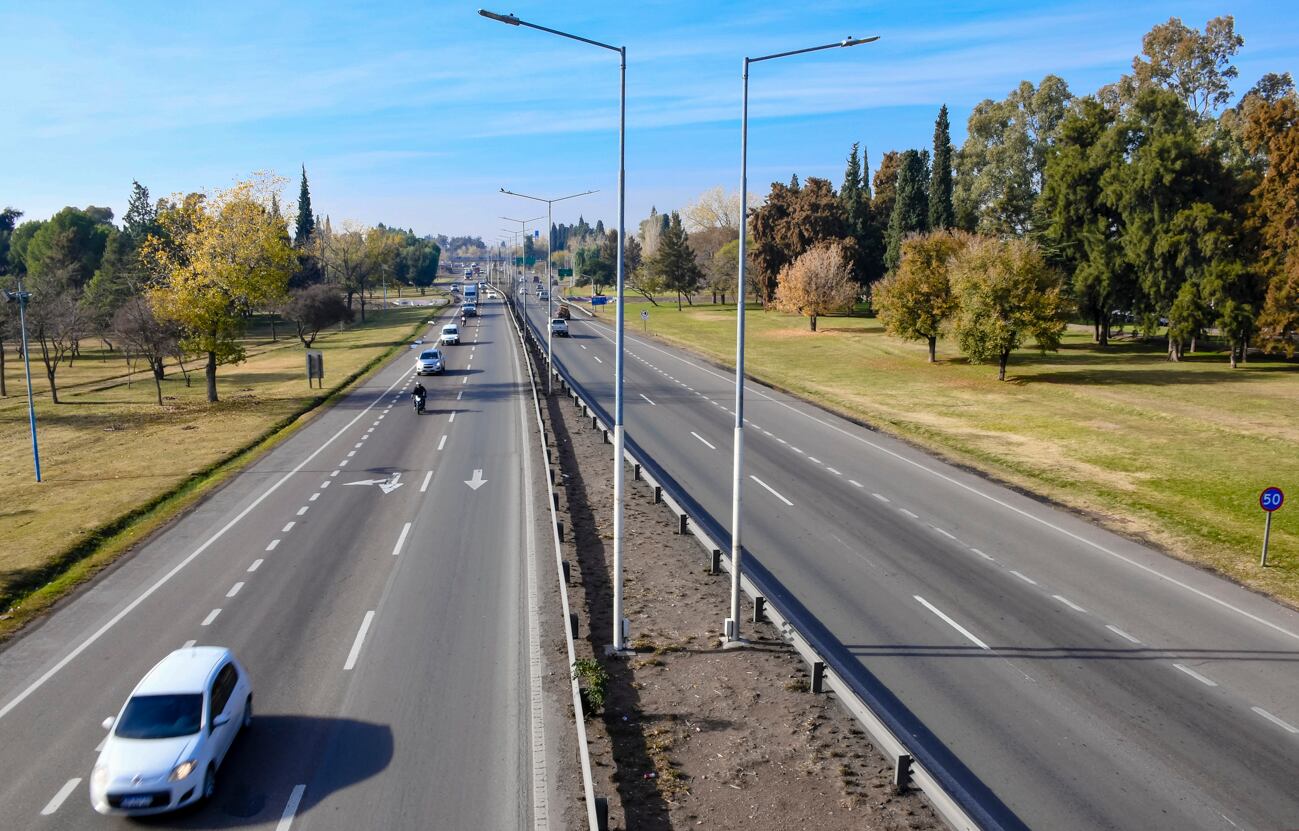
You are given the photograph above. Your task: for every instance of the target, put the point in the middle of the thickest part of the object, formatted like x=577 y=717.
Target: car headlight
x=99 y=777
x=182 y=770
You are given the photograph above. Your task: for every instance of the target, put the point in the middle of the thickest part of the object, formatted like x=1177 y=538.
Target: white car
x=163 y=749
x=559 y=327
x=450 y=335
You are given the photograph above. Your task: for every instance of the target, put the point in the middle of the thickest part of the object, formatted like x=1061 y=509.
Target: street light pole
x=731 y=626
x=21 y=297
x=619 y=637
x=550 y=301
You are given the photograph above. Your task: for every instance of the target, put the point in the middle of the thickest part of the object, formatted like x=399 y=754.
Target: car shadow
x=275 y=755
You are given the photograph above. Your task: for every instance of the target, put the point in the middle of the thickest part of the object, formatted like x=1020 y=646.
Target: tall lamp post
x=21 y=298
x=619 y=638
x=550 y=300
x=731 y=626
x=523 y=240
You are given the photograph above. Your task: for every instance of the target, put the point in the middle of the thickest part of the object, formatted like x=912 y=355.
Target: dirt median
x=692 y=735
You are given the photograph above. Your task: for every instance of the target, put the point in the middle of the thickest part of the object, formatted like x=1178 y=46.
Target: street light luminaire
x=503 y=18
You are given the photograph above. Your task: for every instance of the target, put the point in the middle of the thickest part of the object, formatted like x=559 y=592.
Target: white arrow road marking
x=392 y=484
x=478 y=481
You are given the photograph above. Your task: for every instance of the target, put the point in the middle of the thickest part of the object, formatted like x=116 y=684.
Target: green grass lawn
x=108 y=448
x=1172 y=452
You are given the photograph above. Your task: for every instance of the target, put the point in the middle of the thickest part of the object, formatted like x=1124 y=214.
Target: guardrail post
x=759 y=608
x=818 y=676
x=554 y=497
x=715 y=566
x=658 y=494
x=559 y=527
x=635 y=472
x=567 y=574
x=601 y=813
x=902 y=772
x=681 y=524
x=572 y=623
x=595 y=423
x=606 y=436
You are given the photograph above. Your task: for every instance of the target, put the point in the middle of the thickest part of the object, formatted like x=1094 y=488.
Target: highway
x=1088 y=681
x=371 y=574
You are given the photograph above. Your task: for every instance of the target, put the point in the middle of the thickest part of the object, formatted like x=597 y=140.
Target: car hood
x=146 y=758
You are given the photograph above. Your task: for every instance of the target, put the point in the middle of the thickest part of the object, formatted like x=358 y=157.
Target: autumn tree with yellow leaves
x=216 y=260
x=916 y=301
x=818 y=283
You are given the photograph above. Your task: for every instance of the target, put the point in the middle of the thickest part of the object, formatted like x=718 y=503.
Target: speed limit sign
x=1269 y=500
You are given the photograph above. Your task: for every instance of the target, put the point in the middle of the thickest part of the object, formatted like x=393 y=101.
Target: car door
x=222 y=704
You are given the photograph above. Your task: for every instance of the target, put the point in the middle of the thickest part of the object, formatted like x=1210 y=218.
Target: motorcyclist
x=420 y=395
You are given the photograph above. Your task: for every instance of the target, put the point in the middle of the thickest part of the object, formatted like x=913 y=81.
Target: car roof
x=448 y=326
x=183 y=671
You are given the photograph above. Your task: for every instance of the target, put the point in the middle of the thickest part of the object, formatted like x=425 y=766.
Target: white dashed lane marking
x=1208 y=682
x=773 y=491
x=272 y=545
x=1278 y=722
x=256 y=565
x=1066 y=601
x=1024 y=577
x=287 y=527
x=1116 y=630
x=958 y=627
x=211 y=616
x=63 y=793
x=706 y=442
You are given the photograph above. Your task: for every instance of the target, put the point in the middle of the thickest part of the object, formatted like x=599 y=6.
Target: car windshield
x=450 y=330
x=161 y=716
x=429 y=355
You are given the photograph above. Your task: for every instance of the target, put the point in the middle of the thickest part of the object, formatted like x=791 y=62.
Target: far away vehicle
x=163 y=749
x=450 y=335
x=559 y=327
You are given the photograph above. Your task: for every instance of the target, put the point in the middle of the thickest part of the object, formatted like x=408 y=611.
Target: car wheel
x=248 y=713
x=209 y=782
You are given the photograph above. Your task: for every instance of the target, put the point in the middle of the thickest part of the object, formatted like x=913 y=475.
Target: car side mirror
x=108 y=723
x=220 y=721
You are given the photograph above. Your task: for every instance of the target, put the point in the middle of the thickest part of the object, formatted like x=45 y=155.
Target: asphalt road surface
x=370 y=573
x=1090 y=682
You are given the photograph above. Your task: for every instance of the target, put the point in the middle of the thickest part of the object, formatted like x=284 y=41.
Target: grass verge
x=1171 y=453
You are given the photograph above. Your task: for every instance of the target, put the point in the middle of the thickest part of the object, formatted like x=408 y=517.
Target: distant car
x=429 y=362
x=163 y=749
x=543 y=295
x=450 y=335
x=469 y=310
x=559 y=327
x=491 y=295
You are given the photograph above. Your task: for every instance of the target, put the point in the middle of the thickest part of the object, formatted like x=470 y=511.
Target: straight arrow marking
x=478 y=481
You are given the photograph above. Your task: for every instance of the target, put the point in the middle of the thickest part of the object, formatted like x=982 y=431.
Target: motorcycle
x=417 y=400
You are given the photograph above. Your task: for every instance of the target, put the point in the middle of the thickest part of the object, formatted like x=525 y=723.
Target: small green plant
x=594 y=680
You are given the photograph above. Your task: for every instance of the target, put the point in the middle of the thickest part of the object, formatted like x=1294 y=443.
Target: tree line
x=182 y=277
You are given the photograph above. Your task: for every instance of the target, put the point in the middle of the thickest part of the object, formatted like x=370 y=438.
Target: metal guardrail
x=959 y=796
x=595 y=820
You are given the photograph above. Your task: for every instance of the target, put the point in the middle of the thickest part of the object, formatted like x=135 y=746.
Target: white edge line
x=176 y=569
x=958 y=627
x=971 y=489
x=401 y=539
x=360 y=639
x=773 y=491
x=290 y=808
x=64 y=792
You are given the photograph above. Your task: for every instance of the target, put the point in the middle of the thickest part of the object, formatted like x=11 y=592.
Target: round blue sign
x=1271 y=499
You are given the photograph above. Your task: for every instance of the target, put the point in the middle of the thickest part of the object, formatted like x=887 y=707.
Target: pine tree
x=306 y=225
x=910 y=205
x=855 y=197
x=674 y=261
x=941 y=213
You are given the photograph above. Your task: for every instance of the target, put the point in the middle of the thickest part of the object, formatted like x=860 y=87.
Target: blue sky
x=416 y=113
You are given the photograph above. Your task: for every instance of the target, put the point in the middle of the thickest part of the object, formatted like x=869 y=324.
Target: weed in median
x=595 y=684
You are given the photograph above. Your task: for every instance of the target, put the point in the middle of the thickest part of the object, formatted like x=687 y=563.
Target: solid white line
x=211 y=616
x=64 y=792
x=303 y=509
x=427 y=476
x=401 y=540
x=234 y=589
x=360 y=638
x=597 y=359
x=646 y=397
x=1278 y=722
x=908 y=513
x=1116 y=630
x=1208 y=682
x=855 y=483
x=256 y=565
x=442 y=442
x=162 y=581
x=704 y=440
x=1024 y=577
x=271 y=546
x=1066 y=601
x=291 y=808
x=958 y=627
x=314 y=497
x=773 y=490
x=947 y=534
x=453 y=418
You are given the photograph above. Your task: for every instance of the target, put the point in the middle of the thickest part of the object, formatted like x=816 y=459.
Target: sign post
x=644 y=320
x=1269 y=500
x=315 y=366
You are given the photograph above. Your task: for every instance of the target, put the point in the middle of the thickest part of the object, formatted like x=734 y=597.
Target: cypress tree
x=910 y=206
x=941 y=213
x=306 y=219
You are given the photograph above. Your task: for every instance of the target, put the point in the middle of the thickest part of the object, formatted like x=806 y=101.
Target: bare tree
x=313 y=308
x=58 y=321
x=140 y=330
